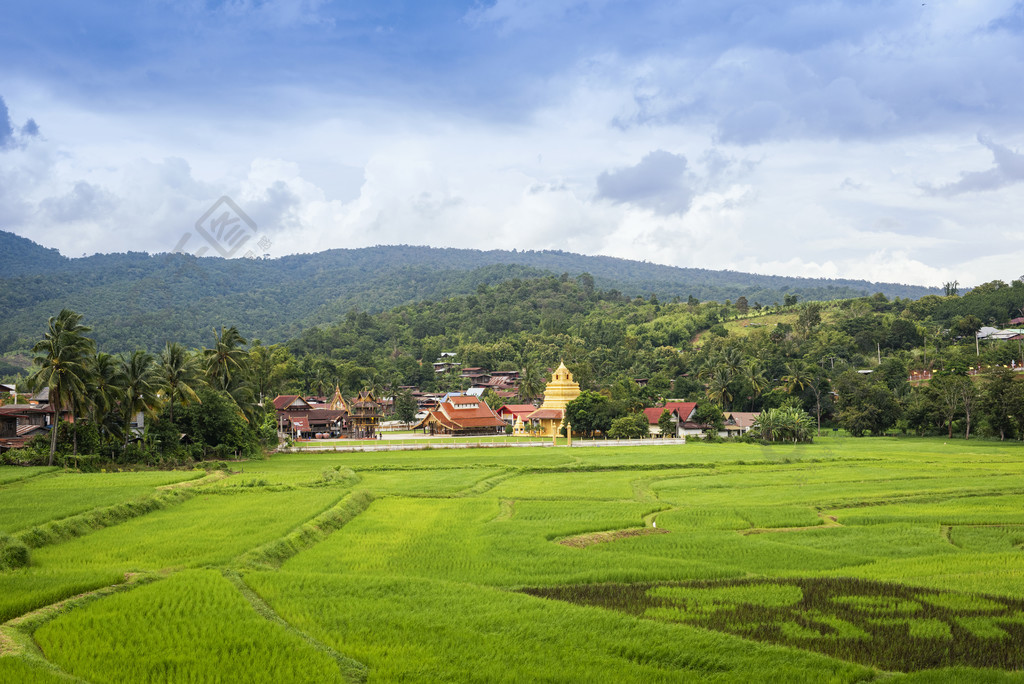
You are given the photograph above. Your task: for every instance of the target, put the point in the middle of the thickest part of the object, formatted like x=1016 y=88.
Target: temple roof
x=561 y=390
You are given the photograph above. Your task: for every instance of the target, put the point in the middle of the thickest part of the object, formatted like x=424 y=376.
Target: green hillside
x=137 y=300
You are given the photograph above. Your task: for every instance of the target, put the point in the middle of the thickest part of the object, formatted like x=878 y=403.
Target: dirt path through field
x=583 y=540
x=828 y=522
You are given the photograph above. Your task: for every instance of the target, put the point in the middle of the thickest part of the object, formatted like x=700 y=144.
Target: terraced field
x=846 y=560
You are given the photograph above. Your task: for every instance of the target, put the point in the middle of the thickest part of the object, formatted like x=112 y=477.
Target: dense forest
x=138 y=300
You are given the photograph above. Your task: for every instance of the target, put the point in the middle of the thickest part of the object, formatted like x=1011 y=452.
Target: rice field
x=846 y=560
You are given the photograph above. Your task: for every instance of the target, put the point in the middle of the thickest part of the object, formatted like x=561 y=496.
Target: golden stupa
x=560 y=391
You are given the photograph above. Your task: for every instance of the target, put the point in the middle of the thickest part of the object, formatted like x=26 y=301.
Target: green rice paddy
x=846 y=560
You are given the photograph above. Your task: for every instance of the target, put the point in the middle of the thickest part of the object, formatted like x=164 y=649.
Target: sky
x=881 y=140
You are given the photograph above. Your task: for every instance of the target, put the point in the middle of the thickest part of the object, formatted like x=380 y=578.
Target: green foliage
x=784 y=424
x=865 y=405
x=13 y=553
x=666 y=426
x=631 y=426
x=590 y=413
x=138 y=301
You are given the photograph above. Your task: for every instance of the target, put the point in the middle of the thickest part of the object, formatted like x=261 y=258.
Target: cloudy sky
x=878 y=139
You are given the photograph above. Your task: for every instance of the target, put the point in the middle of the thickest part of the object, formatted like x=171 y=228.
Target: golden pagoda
x=560 y=391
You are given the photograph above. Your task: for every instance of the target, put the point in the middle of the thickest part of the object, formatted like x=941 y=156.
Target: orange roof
x=463 y=413
x=517 y=409
x=546 y=414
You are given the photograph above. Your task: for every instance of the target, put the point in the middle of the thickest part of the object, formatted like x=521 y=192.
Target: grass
x=843 y=560
x=66 y=494
x=199 y=608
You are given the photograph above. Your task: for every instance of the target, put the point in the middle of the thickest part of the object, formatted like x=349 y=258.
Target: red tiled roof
x=283 y=401
x=517 y=409
x=546 y=414
x=681 y=408
x=463 y=413
x=654 y=414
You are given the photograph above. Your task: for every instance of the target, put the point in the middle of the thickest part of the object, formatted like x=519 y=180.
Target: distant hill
x=138 y=300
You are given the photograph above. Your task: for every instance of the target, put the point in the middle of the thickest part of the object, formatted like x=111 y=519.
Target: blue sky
x=878 y=140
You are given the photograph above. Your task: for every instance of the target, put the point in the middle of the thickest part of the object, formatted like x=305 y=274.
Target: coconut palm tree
x=141 y=388
x=226 y=359
x=531 y=382
x=179 y=376
x=718 y=387
x=62 y=365
x=796 y=377
x=753 y=373
x=105 y=391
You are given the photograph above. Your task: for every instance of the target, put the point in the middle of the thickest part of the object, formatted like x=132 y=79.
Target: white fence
x=478 y=445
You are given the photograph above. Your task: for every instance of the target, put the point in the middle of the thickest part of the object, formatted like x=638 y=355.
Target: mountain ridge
x=143 y=299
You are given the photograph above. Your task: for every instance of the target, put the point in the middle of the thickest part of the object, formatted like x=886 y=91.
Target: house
x=462 y=415
x=21 y=422
x=547 y=420
x=446 y=363
x=682 y=415
x=738 y=422
x=513 y=413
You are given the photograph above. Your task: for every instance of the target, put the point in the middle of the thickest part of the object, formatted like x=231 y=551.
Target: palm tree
x=718 y=387
x=61 y=360
x=141 y=388
x=531 y=382
x=753 y=373
x=796 y=376
x=179 y=376
x=105 y=391
x=227 y=359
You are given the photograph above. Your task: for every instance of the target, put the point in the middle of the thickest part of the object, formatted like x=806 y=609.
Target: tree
x=783 y=424
x=718 y=389
x=710 y=416
x=405 y=407
x=179 y=375
x=141 y=387
x=810 y=317
x=531 y=382
x=741 y=305
x=62 y=365
x=105 y=390
x=666 y=426
x=865 y=405
x=589 y=413
x=630 y=426
x=947 y=391
x=1002 y=398
x=226 y=359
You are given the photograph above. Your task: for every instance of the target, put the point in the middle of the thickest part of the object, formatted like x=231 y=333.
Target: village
x=465 y=413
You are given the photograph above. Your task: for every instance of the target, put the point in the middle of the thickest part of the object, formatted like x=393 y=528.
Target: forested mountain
x=138 y=300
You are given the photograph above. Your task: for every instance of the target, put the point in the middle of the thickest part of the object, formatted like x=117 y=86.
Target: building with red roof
x=462 y=415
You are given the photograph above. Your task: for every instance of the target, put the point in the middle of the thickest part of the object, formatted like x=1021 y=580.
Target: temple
x=547 y=420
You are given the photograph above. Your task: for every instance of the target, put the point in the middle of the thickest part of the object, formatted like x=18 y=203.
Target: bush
x=13 y=554
x=630 y=427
